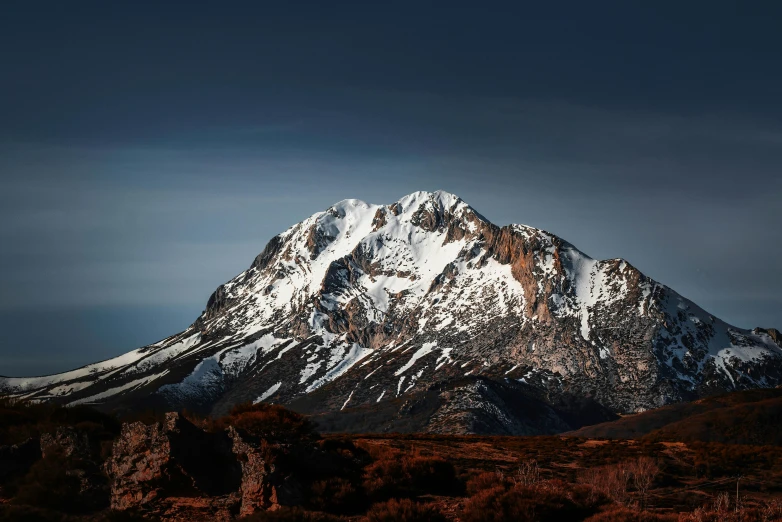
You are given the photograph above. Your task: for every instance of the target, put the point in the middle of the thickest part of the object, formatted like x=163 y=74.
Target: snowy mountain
x=362 y=304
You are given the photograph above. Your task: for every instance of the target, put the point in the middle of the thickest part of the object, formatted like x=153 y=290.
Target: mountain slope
x=744 y=417
x=379 y=301
x=460 y=406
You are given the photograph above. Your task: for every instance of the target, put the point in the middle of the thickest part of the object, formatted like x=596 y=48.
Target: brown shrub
x=336 y=495
x=340 y=457
x=483 y=481
x=742 y=515
x=547 y=500
x=432 y=475
x=624 y=514
x=613 y=480
x=722 y=508
x=410 y=476
x=610 y=481
x=527 y=473
x=643 y=471
x=404 y=510
x=118 y=516
x=771 y=510
x=288 y=514
x=386 y=478
x=721 y=503
x=378 y=451
x=267 y=421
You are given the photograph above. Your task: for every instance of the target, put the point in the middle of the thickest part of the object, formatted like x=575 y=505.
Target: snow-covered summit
x=439 y=198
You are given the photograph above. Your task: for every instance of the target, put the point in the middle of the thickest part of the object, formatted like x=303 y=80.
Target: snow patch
x=356 y=353
x=268 y=393
x=425 y=349
x=98 y=397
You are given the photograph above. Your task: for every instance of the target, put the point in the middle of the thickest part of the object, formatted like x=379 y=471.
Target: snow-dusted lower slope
x=366 y=303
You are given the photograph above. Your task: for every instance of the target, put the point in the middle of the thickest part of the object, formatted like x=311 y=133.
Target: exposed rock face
x=257 y=491
x=172 y=468
x=771 y=332
x=373 y=302
x=177 y=471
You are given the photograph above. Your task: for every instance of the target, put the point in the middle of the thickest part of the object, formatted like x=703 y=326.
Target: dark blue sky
x=148 y=150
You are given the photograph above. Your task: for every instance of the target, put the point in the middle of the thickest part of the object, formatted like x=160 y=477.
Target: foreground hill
x=745 y=417
x=370 y=303
x=264 y=463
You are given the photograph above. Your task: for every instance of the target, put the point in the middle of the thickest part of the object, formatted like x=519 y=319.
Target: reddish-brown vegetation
x=743 y=417
x=290 y=514
x=380 y=478
x=409 y=476
x=546 y=500
x=404 y=510
x=268 y=421
x=624 y=514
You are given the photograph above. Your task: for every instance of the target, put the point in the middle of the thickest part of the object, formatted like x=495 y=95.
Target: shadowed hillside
x=744 y=417
x=462 y=406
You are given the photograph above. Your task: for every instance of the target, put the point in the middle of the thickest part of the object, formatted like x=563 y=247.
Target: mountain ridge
x=375 y=301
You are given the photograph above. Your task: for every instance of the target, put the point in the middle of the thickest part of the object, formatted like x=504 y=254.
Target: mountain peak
x=362 y=303
x=350 y=204
x=440 y=197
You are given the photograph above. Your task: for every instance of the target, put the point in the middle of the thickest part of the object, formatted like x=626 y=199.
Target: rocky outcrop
x=177 y=471
x=262 y=487
x=775 y=335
